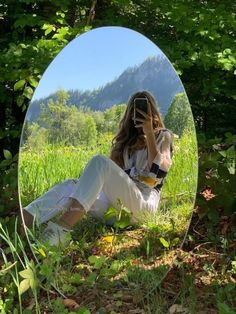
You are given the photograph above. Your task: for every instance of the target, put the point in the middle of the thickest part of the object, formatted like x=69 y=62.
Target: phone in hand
x=142 y=104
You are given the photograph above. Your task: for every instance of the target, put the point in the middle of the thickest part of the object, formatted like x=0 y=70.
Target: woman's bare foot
x=74 y=214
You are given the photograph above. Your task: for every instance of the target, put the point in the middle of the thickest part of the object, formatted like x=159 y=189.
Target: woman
x=140 y=158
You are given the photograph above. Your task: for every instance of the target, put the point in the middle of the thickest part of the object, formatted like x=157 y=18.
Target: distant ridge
x=155 y=74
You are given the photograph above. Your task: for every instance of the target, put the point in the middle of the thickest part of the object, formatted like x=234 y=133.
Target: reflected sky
x=95 y=58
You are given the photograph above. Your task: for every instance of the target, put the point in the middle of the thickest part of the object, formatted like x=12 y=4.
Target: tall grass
x=41 y=169
x=24 y=279
x=179 y=189
x=181 y=181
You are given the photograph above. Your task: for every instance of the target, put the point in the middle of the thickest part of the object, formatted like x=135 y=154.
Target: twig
x=176 y=297
x=198 y=232
x=168 y=291
x=47 y=290
x=214 y=252
x=199 y=245
x=91 y=12
x=201 y=255
x=196 y=223
x=175 y=195
x=9 y=267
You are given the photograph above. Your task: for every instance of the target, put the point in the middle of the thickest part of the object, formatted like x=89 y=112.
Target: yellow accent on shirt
x=148 y=180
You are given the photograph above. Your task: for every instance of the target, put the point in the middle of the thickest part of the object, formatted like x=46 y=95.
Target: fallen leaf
x=127 y=298
x=207 y=193
x=70 y=304
x=224 y=229
x=178 y=308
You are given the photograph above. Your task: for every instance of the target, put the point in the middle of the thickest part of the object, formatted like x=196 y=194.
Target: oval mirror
x=115 y=197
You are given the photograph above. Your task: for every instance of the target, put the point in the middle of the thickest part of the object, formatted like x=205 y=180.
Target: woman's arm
x=146 y=124
x=163 y=159
x=151 y=147
x=158 y=161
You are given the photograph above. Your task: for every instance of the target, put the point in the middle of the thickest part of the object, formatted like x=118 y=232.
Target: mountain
x=155 y=75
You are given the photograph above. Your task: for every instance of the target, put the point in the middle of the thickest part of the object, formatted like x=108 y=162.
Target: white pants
x=102 y=183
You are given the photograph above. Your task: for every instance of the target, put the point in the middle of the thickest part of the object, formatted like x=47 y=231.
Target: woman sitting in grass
x=140 y=158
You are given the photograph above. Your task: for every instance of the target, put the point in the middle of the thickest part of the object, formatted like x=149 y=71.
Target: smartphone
x=142 y=104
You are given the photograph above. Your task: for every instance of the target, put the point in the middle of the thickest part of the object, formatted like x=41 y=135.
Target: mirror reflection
x=109 y=140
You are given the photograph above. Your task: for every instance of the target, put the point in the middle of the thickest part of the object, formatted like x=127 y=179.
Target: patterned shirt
x=136 y=165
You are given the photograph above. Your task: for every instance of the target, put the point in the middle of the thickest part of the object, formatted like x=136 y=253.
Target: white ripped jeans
x=102 y=183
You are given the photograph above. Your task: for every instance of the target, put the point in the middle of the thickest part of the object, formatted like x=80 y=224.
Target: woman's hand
x=146 y=123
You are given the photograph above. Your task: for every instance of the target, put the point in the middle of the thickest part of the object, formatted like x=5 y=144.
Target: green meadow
x=117 y=259
x=40 y=169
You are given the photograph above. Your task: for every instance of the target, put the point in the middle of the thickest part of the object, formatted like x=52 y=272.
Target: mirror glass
x=73 y=116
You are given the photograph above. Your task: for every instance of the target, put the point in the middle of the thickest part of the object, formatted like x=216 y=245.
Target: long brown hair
x=130 y=136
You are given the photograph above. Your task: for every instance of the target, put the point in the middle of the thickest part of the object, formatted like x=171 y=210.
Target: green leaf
x=164 y=242
x=110 y=213
x=83 y=310
x=123 y=222
x=224 y=308
x=33 y=82
x=26 y=273
x=126 y=210
x=49 y=29
x=23 y=46
x=24 y=285
x=19 y=85
x=5 y=163
x=231 y=167
x=60 y=14
x=91 y=278
x=7 y=154
x=75 y=278
x=20 y=100
x=116 y=265
x=28 y=92
x=33 y=283
x=223 y=153
x=18 y=52
x=96 y=261
x=227 y=51
x=45 y=269
x=62 y=32
x=175 y=241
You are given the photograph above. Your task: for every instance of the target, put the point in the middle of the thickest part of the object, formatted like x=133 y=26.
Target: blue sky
x=95 y=58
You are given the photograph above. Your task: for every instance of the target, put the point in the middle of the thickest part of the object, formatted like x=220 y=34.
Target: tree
x=179 y=116
x=65 y=125
x=98 y=117
x=113 y=116
x=37 y=137
x=197 y=37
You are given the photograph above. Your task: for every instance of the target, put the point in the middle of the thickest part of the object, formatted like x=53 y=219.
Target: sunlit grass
x=42 y=169
x=39 y=170
x=181 y=181
x=137 y=252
